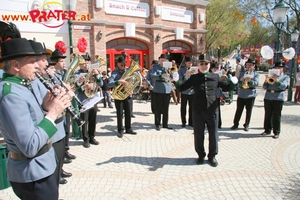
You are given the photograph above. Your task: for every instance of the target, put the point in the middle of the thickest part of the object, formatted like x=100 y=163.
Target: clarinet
x=70 y=109
x=64 y=85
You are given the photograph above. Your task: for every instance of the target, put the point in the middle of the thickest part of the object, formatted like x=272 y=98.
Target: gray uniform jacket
x=251 y=92
x=41 y=91
x=276 y=91
x=181 y=73
x=161 y=85
x=25 y=130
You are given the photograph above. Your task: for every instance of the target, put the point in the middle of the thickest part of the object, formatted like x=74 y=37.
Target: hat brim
x=55 y=57
x=9 y=57
x=200 y=61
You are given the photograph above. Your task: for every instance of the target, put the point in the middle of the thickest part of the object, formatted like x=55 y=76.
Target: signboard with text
x=128 y=8
x=177 y=15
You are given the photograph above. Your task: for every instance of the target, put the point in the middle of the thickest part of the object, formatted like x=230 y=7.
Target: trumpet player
x=275 y=87
x=248 y=81
x=89 y=128
x=187 y=96
x=32 y=160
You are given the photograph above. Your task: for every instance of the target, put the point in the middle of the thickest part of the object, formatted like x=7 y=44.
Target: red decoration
x=61 y=46
x=298 y=59
x=82 y=45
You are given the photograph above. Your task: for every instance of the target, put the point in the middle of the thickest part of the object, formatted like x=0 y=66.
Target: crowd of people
x=36 y=107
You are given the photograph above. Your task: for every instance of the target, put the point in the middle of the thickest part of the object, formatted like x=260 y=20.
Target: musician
x=121 y=105
x=174 y=76
x=32 y=160
x=59 y=59
x=81 y=86
x=150 y=84
x=162 y=89
x=176 y=91
x=274 y=99
x=246 y=94
x=187 y=96
x=58 y=140
x=205 y=109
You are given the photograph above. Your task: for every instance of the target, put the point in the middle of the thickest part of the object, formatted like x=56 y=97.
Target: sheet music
x=167 y=65
x=248 y=75
x=220 y=73
x=93 y=66
x=274 y=72
x=89 y=103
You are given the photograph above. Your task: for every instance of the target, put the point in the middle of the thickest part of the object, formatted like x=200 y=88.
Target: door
x=136 y=55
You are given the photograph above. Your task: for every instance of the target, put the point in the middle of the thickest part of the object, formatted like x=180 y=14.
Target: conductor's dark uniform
x=205 y=110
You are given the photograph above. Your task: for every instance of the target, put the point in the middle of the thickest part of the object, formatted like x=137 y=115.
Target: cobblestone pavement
x=162 y=164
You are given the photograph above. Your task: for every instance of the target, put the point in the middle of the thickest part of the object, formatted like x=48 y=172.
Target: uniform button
x=7 y=83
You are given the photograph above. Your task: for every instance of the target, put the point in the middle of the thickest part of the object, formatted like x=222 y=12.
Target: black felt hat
x=121 y=59
x=86 y=57
x=57 y=54
x=15 y=48
x=38 y=47
x=188 y=59
x=202 y=58
x=214 y=65
x=280 y=63
x=163 y=56
x=250 y=60
x=154 y=62
x=50 y=62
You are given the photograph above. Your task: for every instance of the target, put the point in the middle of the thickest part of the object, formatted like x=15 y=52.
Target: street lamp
x=294 y=39
x=70 y=5
x=279 y=15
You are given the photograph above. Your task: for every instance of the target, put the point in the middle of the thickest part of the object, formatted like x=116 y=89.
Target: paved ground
x=161 y=164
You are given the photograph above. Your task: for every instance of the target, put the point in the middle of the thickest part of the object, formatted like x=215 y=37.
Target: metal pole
x=292 y=76
x=278 y=44
x=70 y=36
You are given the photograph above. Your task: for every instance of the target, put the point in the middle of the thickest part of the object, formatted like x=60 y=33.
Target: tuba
x=122 y=92
x=101 y=61
x=69 y=77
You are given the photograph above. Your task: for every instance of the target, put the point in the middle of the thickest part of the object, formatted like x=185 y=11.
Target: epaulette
x=6 y=89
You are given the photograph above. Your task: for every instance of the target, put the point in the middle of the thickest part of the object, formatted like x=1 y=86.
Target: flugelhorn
x=245 y=84
x=70 y=109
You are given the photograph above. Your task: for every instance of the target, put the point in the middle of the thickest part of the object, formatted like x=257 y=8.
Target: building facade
x=142 y=29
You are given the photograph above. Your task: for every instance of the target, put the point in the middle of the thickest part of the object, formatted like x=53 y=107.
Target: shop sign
x=128 y=8
x=177 y=15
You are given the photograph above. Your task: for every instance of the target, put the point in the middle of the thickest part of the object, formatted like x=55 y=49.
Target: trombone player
x=275 y=86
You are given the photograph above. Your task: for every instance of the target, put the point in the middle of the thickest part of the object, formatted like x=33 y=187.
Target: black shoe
x=265 y=133
x=183 y=125
x=110 y=106
x=167 y=127
x=65 y=174
x=62 y=181
x=157 y=127
x=86 y=144
x=93 y=141
x=132 y=116
x=200 y=161
x=276 y=136
x=246 y=128
x=234 y=127
x=67 y=161
x=131 y=132
x=70 y=156
x=191 y=125
x=213 y=162
x=120 y=134
x=104 y=106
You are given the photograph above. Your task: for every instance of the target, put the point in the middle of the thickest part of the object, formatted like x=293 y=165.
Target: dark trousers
x=126 y=106
x=152 y=96
x=219 y=113
x=59 y=148
x=240 y=104
x=43 y=189
x=272 y=116
x=162 y=102
x=106 y=98
x=67 y=125
x=210 y=120
x=89 y=127
x=186 y=99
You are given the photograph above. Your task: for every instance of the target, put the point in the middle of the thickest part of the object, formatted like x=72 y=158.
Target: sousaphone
x=268 y=53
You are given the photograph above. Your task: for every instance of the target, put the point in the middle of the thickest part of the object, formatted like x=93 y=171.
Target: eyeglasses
x=203 y=63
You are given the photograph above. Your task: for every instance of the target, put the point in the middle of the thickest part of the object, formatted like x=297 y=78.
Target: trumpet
x=270 y=80
x=245 y=84
x=70 y=109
